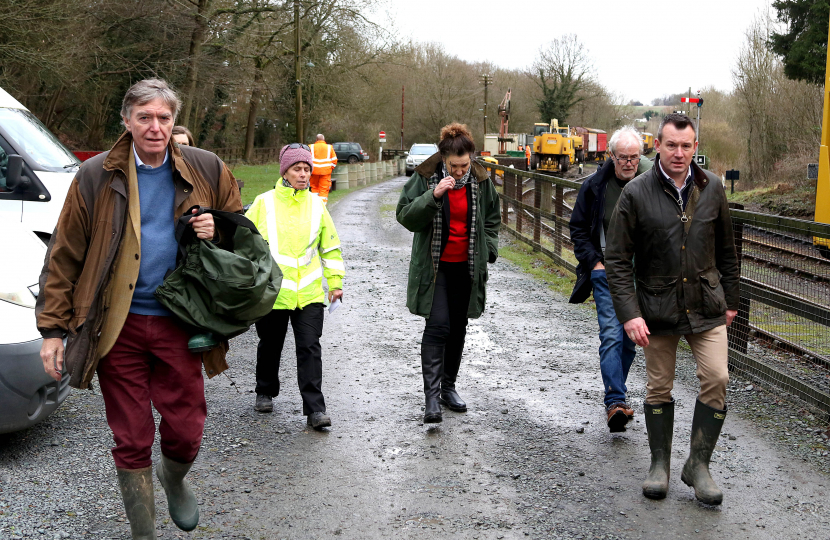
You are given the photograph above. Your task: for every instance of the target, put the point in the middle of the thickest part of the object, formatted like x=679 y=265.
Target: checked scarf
x=438 y=220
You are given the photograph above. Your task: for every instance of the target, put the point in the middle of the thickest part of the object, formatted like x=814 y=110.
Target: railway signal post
x=699 y=101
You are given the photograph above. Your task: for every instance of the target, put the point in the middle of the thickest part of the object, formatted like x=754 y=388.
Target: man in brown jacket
x=113 y=244
x=671 y=233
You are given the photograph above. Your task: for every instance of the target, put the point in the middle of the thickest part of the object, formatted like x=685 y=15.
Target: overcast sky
x=640 y=49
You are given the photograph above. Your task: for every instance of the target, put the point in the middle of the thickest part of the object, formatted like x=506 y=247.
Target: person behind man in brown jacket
x=673 y=271
x=112 y=246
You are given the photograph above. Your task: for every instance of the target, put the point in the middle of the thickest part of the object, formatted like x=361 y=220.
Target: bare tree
x=562 y=71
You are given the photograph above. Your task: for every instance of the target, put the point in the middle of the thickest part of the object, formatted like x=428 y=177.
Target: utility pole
x=403 y=88
x=297 y=75
x=486 y=80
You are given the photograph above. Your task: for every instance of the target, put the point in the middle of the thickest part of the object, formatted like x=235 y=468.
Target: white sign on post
x=382 y=136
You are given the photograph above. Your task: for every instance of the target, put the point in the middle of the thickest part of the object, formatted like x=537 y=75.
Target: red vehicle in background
x=594 y=144
x=84 y=155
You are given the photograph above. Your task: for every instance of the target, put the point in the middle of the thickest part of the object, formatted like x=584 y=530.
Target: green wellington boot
x=181 y=501
x=202 y=342
x=660 y=426
x=706 y=426
x=139 y=503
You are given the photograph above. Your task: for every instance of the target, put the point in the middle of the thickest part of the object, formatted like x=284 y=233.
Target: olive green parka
x=416 y=209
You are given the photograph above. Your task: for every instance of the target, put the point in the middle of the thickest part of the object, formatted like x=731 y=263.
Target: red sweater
x=459 y=239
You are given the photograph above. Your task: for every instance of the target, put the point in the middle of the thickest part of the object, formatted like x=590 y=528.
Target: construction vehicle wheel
x=564 y=162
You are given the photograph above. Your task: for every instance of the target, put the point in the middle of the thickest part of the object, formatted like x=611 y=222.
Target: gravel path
x=532 y=458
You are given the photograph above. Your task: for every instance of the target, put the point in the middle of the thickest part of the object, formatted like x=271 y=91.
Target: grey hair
x=320 y=137
x=631 y=131
x=143 y=92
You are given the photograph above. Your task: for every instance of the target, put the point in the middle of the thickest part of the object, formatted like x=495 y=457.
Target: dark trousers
x=447 y=323
x=151 y=366
x=307 y=324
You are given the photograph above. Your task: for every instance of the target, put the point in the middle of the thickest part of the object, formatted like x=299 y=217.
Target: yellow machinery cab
x=553 y=147
x=648 y=143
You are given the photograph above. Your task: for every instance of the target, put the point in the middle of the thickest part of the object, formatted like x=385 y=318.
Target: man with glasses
x=590 y=224
x=673 y=271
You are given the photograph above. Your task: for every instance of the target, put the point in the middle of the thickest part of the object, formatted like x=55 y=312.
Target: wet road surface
x=532 y=457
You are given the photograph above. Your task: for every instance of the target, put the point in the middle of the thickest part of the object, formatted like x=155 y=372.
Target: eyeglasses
x=626 y=159
x=294 y=146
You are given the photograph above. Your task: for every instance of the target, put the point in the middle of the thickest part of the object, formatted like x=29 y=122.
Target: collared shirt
x=682 y=194
x=141 y=164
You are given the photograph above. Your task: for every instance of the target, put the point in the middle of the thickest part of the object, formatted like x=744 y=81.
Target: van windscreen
x=27 y=134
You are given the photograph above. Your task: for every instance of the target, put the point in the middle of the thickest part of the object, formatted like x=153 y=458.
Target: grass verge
x=538 y=265
x=261 y=178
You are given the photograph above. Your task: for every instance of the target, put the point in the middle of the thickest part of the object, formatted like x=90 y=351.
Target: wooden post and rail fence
x=783 y=321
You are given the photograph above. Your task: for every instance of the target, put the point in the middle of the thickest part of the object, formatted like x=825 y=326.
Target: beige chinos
x=710 y=351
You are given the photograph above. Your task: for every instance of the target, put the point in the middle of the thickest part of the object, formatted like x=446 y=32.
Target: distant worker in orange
x=527 y=155
x=324 y=161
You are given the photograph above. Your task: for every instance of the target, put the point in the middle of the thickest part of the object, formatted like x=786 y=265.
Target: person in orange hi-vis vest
x=527 y=155
x=324 y=161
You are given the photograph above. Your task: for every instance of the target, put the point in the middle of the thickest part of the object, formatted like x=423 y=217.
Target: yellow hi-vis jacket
x=303 y=241
x=323 y=157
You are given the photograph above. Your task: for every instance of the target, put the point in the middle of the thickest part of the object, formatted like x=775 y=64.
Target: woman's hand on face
x=336 y=294
x=442 y=187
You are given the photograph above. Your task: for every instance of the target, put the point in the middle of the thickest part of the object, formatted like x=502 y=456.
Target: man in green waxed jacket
x=671 y=234
x=453 y=209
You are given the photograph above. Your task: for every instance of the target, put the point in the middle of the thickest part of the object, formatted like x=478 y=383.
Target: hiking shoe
x=319 y=420
x=263 y=403
x=618 y=417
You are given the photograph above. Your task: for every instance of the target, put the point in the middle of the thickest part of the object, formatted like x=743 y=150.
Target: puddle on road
x=481 y=348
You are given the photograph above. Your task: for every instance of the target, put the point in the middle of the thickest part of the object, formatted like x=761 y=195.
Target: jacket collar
x=282 y=191
x=431 y=164
x=603 y=175
x=119 y=156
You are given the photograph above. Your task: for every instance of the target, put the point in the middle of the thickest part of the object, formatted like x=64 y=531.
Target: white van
x=35 y=170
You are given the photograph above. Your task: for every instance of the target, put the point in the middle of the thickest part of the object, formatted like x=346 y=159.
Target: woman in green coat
x=453 y=209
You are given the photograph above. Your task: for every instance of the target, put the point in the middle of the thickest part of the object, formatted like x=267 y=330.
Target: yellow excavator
x=554 y=147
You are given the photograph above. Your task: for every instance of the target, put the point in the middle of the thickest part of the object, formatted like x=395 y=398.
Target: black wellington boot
x=181 y=501
x=432 y=360
x=452 y=362
x=706 y=426
x=139 y=502
x=660 y=426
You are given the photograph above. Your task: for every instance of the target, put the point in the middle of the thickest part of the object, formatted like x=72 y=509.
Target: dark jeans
x=151 y=366
x=307 y=324
x=616 y=350
x=447 y=323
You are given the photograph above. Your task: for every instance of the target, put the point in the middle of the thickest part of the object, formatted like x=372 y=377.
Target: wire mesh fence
x=781 y=336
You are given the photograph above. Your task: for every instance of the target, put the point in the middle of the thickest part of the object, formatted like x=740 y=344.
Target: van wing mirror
x=14 y=175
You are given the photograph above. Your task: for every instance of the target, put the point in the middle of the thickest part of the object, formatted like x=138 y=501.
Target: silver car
x=27 y=393
x=418 y=154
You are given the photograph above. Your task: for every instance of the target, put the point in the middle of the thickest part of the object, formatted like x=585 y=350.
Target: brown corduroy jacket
x=81 y=259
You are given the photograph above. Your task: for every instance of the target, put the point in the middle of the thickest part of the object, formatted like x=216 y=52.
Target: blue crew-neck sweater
x=156 y=195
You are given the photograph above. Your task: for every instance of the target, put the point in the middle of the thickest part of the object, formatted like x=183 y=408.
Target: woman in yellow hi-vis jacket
x=304 y=242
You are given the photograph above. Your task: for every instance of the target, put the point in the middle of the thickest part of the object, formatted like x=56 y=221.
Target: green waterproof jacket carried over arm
x=416 y=211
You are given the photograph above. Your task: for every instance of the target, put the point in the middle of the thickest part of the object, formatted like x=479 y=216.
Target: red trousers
x=150 y=365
